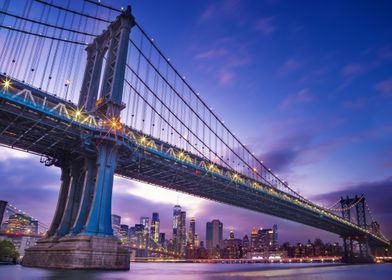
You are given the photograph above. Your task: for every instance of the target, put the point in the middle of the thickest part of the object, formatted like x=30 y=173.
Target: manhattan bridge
x=87 y=89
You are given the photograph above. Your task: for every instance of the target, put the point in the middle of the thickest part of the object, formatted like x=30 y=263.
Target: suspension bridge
x=98 y=103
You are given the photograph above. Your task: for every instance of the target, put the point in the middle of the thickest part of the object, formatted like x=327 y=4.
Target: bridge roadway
x=44 y=124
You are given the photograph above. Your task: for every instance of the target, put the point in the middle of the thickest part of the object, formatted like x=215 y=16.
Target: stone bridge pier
x=81 y=235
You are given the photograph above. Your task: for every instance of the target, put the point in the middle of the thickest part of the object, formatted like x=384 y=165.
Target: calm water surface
x=189 y=271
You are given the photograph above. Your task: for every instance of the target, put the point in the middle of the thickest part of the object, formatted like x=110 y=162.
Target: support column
x=88 y=194
x=99 y=221
x=74 y=197
x=62 y=200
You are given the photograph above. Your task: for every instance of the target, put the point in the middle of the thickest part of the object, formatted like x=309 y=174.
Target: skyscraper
x=182 y=232
x=274 y=237
x=155 y=227
x=176 y=230
x=145 y=221
x=214 y=234
x=191 y=232
x=265 y=239
x=162 y=239
x=245 y=243
x=116 y=222
x=253 y=240
x=197 y=241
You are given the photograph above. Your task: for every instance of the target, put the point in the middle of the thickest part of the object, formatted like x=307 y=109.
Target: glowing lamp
x=6 y=84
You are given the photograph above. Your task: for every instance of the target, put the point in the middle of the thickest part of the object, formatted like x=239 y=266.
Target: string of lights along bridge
x=128 y=111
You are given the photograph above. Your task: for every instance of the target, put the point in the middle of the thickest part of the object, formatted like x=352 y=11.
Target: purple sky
x=307 y=85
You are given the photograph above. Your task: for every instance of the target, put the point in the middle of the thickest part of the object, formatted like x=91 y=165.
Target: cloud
x=289 y=66
x=219 y=8
x=301 y=97
x=212 y=53
x=351 y=71
x=266 y=26
x=385 y=87
x=222 y=63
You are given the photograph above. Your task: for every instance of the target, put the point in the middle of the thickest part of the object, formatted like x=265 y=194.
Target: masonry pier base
x=78 y=252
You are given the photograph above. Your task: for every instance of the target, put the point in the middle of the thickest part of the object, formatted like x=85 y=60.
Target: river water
x=191 y=271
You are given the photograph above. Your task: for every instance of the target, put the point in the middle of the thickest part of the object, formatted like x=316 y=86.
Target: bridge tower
x=81 y=234
x=358 y=204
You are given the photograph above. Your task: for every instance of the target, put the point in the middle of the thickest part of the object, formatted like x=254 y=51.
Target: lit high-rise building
x=214 y=234
x=275 y=244
x=182 y=232
x=245 y=243
x=197 y=241
x=265 y=239
x=253 y=240
x=19 y=223
x=116 y=222
x=191 y=232
x=162 y=239
x=155 y=227
x=124 y=233
x=145 y=221
x=176 y=225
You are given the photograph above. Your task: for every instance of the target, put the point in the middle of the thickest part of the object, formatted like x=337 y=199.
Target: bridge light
x=6 y=84
x=254 y=169
x=78 y=113
x=143 y=139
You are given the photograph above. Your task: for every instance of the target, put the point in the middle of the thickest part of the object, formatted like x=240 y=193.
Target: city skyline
x=306 y=144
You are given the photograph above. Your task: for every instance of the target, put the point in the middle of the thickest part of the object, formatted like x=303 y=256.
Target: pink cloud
x=221 y=63
x=289 y=65
x=212 y=53
x=302 y=96
x=207 y=13
x=385 y=87
x=227 y=8
x=351 y=71
x=266 y=26
x=226 y=77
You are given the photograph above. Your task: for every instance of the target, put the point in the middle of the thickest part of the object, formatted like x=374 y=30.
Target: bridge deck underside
x=34 y=131
x=147 y=167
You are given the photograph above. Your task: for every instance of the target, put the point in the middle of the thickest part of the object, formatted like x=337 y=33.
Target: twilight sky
x=306 y=84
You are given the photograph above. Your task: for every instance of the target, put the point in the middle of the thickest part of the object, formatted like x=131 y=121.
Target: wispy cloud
x=289 y=66
x=266 y=25
x=219 y=8
x=212 y=53
x=352 y=70
x=301 y=97
x=221 y=62
x=385 y=87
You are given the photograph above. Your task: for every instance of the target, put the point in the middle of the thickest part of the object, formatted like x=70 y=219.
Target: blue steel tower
x=81 y=233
